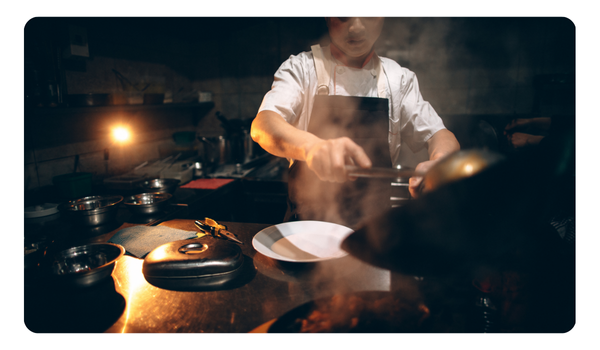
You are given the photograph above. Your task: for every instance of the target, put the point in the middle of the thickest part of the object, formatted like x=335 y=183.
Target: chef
x=341 y=105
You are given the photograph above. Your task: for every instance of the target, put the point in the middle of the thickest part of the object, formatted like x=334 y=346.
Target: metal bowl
x=86 y=265
x=147 y=203
x=159 y=185
x=92 y=210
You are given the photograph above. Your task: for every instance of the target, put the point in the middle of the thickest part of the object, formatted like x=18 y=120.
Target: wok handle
x=386 y=173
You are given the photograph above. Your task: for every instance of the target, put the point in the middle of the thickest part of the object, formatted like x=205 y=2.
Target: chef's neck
x=354 y=62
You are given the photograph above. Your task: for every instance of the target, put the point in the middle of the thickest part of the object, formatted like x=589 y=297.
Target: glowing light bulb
x=121 y=134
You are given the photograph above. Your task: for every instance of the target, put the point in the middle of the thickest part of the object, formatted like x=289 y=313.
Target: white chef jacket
x=412 y=119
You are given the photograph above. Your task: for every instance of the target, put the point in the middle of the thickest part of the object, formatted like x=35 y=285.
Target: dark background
x=469 y=69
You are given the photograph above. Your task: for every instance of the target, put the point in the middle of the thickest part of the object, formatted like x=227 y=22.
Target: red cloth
x=207 y=184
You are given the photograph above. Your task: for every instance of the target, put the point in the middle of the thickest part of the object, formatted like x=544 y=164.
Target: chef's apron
x=365 y=120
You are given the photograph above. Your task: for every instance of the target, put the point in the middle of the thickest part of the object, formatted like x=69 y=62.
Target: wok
x=470 y=217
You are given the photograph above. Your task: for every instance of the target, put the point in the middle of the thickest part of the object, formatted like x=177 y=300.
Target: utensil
x=92 y=210
x=490 y=215
x=387 y=173
x=302 y=241
x=216 y=150
x=216 y=229
x=458 y=165
x=147 y=203
x=86 y=265
x=455 y=166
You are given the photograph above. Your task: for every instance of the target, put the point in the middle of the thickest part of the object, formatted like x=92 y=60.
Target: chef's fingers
x=414 y=186
x=510 y=125
x=318 y=160
x=338 y=158
x=338 y=173
x=517 y=123
x=322 y=168
x=357 y=154
x=350 y=161
x=415 y=183
x=328 y=158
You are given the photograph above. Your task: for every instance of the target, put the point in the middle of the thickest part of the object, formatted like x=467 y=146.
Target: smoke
x=365 y=121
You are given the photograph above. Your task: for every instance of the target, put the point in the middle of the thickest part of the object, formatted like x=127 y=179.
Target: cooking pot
x=240 y=144
x=216 y=150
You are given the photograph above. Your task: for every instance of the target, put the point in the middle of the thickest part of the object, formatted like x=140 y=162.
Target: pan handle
x=386 y=173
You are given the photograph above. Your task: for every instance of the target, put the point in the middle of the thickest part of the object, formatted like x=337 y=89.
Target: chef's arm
x=278 y=137
x=441 y=144
x=325 y=157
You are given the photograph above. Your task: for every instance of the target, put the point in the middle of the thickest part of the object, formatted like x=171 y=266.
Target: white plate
x=302 y=241
x=37 y=211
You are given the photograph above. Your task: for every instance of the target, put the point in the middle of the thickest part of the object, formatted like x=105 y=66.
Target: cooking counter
x=128 y=303
x=267 y=289
x=259 y=197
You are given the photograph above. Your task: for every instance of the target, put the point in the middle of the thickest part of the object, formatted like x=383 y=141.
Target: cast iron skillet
x=408 y=320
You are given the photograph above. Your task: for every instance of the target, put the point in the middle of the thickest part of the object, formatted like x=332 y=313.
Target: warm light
x=121 y=134
x=468 y=168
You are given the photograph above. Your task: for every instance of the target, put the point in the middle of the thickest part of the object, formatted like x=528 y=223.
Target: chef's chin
x=357 y=50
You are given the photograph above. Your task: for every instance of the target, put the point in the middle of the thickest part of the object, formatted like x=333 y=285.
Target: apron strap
x=323 y=57
x=321 y=69
x=381 y=77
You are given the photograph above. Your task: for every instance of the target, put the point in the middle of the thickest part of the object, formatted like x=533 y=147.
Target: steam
x=351 y=202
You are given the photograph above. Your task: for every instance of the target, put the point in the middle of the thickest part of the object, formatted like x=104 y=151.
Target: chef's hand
x=526 y=132
x=440 y=145
x=415 y=183
x=528 y=125
x=520 y=140
x=327 y=159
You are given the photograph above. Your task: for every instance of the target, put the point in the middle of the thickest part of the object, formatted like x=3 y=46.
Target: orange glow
x=121 y=134
x=468 y=168
x=133 y=285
